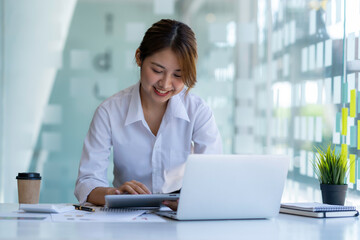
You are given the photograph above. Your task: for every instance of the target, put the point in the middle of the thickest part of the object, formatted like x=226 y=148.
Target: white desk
x=282 y=227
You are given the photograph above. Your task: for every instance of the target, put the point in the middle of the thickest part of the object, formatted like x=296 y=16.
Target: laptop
x=231 y=187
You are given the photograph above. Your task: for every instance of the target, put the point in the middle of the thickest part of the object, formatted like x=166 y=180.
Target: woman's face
x=160 y=77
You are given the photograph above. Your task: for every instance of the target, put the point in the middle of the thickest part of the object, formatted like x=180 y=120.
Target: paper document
x=98 y=216
x=149 y=217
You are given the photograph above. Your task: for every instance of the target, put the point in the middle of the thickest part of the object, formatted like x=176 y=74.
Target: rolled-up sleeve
x=206 y=136
x=95 y=156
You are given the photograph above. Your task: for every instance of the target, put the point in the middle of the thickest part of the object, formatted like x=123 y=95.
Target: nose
x=165 y=82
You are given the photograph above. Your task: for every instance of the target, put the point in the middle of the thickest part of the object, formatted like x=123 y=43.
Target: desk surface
x=282 y=227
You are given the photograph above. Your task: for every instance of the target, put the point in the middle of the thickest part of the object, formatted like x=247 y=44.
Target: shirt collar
x=175 y=107
x=135 y=112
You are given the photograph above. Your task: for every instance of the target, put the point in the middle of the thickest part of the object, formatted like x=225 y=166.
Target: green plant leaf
x=329 y=167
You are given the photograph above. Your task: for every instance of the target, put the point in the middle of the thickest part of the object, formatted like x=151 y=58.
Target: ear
x=137 y=57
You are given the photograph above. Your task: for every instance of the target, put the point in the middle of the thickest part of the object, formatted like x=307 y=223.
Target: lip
x=161 y=94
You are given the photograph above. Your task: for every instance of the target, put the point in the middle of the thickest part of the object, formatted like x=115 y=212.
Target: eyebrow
x=161 y=66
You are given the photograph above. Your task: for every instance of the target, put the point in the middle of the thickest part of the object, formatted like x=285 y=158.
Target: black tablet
x=138 y=201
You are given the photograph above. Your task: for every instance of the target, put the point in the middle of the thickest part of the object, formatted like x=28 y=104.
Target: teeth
x=161 y=91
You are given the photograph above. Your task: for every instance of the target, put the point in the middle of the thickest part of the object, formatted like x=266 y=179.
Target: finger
x=139 y=187
x=113 y=191
x=126 y=188
x=171 y=204
x=143 y=187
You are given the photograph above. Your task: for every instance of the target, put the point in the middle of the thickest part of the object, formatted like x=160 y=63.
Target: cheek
x=179 y=85
x=147 y=75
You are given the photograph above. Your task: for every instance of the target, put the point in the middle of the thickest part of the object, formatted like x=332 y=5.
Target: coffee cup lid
x=28 y=176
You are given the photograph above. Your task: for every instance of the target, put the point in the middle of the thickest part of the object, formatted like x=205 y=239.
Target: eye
x=156 y=71
x=177 y=76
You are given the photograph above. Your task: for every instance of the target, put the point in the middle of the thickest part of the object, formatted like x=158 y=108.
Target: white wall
x=1 y=97
x=33 y=56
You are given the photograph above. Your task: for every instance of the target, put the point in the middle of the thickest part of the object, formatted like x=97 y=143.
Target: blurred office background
x=281 y=76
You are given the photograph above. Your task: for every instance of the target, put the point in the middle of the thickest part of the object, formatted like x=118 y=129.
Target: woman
x=153 y=125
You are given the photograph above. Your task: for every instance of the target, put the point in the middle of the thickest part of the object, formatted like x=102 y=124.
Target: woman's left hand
x=171 y=204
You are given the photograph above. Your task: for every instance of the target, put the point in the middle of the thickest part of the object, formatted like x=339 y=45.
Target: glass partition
x=308 y=55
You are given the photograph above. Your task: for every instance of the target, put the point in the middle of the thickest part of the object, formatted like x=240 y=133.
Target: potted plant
x=331 y=170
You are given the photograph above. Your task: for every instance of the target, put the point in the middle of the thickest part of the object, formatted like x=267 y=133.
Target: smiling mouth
x=161 y=92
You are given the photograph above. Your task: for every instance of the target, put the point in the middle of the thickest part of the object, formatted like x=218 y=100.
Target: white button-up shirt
x=157 y=161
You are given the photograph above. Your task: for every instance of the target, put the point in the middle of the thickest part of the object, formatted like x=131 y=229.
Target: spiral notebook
x=318 y=210
x=126 y=210
x=317 y=207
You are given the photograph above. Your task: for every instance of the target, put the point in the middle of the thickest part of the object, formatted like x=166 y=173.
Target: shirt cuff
x=83 y=189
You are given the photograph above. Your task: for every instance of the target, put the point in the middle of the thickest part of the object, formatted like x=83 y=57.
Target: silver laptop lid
x=232 y=186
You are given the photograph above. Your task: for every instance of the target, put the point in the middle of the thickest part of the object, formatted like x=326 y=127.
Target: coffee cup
x=28 y=187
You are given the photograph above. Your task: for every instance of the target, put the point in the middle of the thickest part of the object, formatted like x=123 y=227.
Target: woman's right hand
x=97 y=195
x=133 y=187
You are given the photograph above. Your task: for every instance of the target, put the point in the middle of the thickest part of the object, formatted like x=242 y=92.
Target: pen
x=78 y=207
